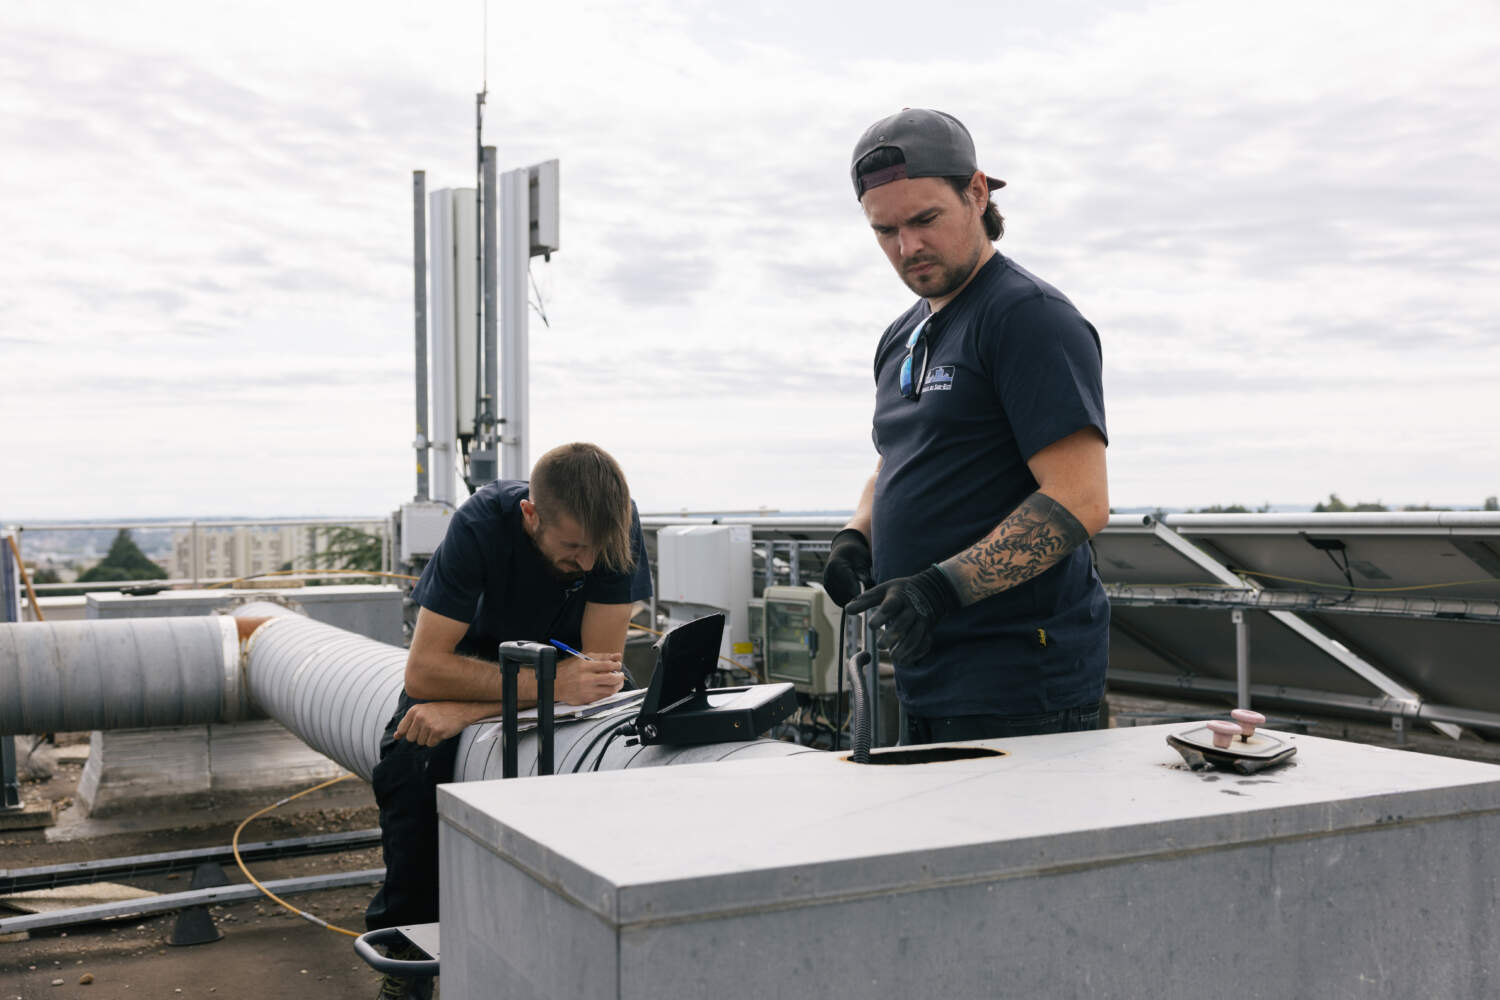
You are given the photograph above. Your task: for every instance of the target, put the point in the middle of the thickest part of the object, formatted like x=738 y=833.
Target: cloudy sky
x=1283 y=218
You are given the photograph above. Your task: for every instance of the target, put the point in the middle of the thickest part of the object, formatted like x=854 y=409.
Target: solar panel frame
x=1414 y=560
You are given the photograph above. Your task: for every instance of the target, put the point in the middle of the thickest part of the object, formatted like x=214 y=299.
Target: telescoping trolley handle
x=513 y=655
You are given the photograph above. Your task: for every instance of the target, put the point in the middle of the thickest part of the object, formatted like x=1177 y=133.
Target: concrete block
x=185 y=766
x=1078 y=865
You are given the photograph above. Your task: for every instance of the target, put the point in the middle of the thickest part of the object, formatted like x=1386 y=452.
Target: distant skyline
x=1284 y=221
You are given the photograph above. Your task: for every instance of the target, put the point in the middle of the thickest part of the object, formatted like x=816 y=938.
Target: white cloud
x=1282 y=219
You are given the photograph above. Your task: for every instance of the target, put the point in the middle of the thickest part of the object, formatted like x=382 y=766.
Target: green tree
x=1492 y=503
x=124 y=561
x=1234 y=508
x=1335 y=505
x=347 y=547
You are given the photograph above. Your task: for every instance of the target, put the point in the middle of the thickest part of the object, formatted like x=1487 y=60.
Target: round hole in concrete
x=929 y=755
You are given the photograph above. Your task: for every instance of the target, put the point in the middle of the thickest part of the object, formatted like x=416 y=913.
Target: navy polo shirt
x=1012 y=367
x=489 y=573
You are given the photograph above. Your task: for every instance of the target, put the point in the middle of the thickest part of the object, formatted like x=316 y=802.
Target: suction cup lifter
x=863 y=710
x=544 y=659
x=863 y=667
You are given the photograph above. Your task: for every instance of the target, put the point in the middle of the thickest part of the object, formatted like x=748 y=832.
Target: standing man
x=560 y=557
x=989 y=421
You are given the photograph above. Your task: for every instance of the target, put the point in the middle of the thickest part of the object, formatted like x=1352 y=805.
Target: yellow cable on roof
x=234 y=845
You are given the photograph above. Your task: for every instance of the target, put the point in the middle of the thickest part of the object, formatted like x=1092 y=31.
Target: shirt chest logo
x=939 y=379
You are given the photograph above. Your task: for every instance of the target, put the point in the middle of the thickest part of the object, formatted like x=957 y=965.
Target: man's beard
x=564 y=576
x=941 y=281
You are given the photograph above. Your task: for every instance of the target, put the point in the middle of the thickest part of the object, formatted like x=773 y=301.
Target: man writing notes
x=558 y=557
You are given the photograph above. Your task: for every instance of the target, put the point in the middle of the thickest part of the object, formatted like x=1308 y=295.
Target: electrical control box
x=423 y=526
x=801 y=639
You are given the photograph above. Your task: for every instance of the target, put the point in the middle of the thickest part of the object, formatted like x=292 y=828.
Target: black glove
x=848 y=569
x=909 y=608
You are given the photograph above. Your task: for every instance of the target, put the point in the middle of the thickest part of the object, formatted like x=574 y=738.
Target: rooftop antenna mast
x=482 y=465
x=496 y=444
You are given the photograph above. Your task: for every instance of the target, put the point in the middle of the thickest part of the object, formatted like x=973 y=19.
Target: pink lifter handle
x=1224 y=732
x=1248 y=720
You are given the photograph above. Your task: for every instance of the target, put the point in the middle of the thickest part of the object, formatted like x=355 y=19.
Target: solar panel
x=1390 y=613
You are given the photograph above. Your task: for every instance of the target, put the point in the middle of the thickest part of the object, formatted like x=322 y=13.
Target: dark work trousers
x=405 y=784
x=954 y=728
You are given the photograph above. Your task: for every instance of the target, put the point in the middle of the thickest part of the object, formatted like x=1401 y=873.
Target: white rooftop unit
x=703 y=568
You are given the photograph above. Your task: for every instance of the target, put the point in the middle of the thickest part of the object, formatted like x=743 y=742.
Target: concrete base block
x=247 y=756
x=129 y=767
x=185 y=766
x=30 y=816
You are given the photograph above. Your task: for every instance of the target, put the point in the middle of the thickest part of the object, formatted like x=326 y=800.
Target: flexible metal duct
x=123 y=674
x=332 y=688
x=337 y=690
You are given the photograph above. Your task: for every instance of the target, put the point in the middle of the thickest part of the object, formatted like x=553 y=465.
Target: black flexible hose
x=625 y=728
x=861 y=754
x=838 y=704
x=604 y=731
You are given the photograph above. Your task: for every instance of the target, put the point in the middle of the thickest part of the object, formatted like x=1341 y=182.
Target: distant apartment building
x=229 y=553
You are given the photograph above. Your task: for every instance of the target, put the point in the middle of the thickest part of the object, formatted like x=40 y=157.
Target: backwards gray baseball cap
x=934 y=144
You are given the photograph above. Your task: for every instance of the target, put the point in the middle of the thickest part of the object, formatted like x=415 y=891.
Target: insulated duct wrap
x=578 y=746
x=130 y=673
x=335 y=690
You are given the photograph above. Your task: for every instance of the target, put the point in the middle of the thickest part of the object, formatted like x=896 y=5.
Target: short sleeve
x=1047 y=369
x=632 y=585
x=453 y=580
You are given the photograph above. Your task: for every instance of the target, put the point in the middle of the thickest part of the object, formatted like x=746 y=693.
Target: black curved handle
x=544 y=658
x=858 y=687
x=364 y=947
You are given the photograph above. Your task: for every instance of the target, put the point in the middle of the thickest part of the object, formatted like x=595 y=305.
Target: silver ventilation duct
x=123 y=674
x=335 y=690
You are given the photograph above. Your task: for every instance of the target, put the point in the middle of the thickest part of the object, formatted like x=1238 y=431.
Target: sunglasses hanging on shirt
x=912 y=388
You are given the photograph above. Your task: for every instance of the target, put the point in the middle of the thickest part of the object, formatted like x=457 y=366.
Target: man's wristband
x=939 y=590
x=855 y=532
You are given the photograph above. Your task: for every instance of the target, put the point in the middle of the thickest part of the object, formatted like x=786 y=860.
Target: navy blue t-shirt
x=489 y=573
x=1012 y=367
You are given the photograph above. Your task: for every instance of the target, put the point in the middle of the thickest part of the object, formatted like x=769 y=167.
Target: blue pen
x=568 y=649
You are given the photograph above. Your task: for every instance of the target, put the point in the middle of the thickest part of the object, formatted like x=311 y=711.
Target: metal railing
x=197 y=528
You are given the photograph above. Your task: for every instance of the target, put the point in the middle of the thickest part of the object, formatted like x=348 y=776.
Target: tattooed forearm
x=1035 y=536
